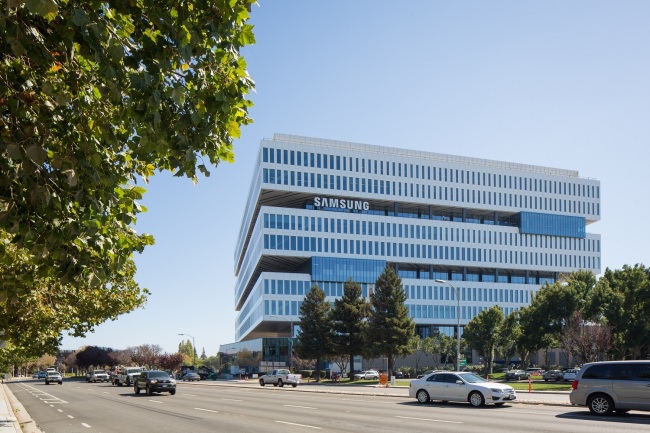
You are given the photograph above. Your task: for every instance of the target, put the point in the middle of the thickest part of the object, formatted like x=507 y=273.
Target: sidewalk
x=8 y=422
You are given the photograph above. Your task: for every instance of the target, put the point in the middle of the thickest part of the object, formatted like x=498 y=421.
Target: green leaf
x=47 y=9
x=79 y=17
x=36 y=153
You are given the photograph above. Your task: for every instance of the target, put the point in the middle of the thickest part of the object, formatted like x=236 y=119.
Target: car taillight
x=574 y=384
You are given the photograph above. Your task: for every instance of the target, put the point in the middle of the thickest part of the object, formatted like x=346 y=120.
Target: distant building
x=321 y=211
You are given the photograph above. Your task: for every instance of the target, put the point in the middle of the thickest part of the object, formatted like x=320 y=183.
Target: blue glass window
x=340 y=270
x=553 y=225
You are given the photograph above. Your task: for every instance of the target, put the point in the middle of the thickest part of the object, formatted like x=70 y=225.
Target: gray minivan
x=609 y=386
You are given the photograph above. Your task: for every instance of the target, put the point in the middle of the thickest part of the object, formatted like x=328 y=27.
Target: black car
x=154 y=381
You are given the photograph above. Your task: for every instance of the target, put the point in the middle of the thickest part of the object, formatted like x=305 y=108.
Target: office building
x=321 y=211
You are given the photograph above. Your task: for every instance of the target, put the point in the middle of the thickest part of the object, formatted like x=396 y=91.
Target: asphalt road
x=198 y=408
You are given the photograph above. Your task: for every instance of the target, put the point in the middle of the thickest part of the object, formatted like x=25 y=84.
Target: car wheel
x=422 y=396
x=545 y=380
x=261 y=382
x=47 y=383
x=119 y=383
x=557 y=379
x=60 y=383
x=280 y=384
x=476 y=399
x=136 y=389
x=172 y=392
x=149 y=391
x=600 y=404
x=294 y=385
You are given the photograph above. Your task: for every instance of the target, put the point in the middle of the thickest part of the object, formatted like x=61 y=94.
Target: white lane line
x=85 y=425
x=429 y=419
x=299 y=407
x=58 y=409
x=299 y=425
x=206 y=410
x=230 y=399
x=155 y=401
x=189 y=395
x=70 y=416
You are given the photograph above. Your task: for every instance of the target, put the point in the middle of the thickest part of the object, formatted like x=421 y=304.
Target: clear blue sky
x=563 y=84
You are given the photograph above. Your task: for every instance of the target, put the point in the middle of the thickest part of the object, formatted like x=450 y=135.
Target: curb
x=23 y=423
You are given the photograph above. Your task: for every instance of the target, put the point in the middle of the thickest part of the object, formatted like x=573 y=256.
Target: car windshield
x=158 y=374
x=52 y=373
x=100 y=372
x=472 y=378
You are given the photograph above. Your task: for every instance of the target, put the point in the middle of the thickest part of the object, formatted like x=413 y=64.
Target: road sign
x=463 y=363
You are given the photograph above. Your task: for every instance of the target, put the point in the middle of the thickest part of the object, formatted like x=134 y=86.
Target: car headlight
x=498 y=390
x=153 y=381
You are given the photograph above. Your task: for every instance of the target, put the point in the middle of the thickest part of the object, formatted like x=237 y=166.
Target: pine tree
x=349 y=322
x=389 y=324
x=315 y=336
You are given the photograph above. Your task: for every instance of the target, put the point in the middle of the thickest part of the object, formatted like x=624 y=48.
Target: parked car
x=605 y=387
x=555 y=375
x=191 y=376
x=517 y=375
x=460 y=386
x=402 y=375
x=35 y=375
x=428 y=372
x=570 y=374
x=535 y=371
x=53 y=376
x=42 y=374
x=154 y=381
x=367 y=375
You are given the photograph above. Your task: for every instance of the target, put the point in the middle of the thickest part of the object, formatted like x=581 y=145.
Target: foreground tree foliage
x=94 y=95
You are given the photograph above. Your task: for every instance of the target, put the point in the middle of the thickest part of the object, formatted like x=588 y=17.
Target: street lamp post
x=290 y=336
x=193 y=350
x=457 y=321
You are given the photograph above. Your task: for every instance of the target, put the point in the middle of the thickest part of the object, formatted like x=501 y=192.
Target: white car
x=367 y=375
x=570 y=374
x=460 y=386
x=53 y=376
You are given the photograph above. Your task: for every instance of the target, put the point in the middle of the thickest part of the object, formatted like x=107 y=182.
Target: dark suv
x=154 y=381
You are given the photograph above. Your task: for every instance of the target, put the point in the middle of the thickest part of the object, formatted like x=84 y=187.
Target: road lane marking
x=429 y=419
x=155 y=401
x=230 y=399
x=58 y=409
x=70 y=416
x=189 y=395
x=206 y=410
x=299 y=407
x=299 y=425
x=85 y=425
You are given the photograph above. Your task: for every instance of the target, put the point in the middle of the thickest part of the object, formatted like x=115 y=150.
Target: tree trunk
x=351 y=374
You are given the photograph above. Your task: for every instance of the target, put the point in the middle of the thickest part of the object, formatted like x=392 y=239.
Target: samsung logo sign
x=341 y=203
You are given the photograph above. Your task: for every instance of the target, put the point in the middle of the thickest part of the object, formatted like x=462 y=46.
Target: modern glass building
x=322 y=211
